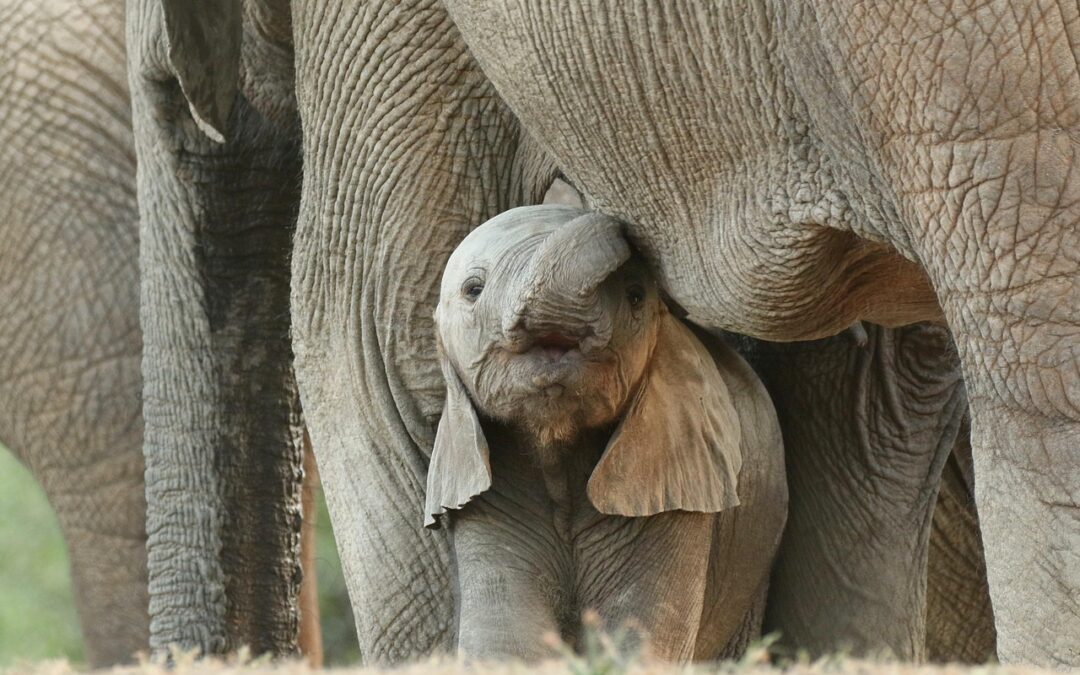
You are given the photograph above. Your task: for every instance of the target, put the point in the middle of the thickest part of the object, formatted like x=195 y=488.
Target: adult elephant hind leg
x=1005 y=260
x=866 y=432
x=959 y=619
x=402 y=157
x=1021 y=351
x=1009 y=281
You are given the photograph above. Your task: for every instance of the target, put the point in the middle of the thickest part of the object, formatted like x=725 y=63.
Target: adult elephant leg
x=222 y=429
x=1018 y=337
x=959 y=620
x=1020 y=347
x=104 y=527
x=70 y=390
x=406 y=148
x=971 y=125
x=866 y=432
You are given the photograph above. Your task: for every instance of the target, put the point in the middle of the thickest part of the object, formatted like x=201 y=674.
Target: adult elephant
x=69 y=332
x=790 y=169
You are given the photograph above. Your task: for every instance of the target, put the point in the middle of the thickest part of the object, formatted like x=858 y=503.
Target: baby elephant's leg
x=648 y=574
x=509 y=580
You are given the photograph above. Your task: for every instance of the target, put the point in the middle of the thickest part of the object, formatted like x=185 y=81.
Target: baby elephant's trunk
x=561 y=292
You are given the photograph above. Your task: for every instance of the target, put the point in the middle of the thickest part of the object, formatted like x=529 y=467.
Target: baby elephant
x=600 y=454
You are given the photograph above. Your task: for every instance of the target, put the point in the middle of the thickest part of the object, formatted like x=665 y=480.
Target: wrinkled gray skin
x=788 y=169
x=222 y=420
x=109 y=573
x=959 y=619
x=863 y=370
x=888 y=412
x=70 y=346
x=593 y=453
x=69 y=335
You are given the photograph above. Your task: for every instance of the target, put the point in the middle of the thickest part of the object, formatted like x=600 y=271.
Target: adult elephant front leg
x=1017 y=327
x=406 y=148
x=972 y=123
x=867 y=429
x=222 y=429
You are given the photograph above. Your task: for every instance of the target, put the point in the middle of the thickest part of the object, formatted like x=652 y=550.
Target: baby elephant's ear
x=460 y=467
x=677 y=448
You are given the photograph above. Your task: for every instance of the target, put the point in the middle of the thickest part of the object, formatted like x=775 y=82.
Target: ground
x=751 y=666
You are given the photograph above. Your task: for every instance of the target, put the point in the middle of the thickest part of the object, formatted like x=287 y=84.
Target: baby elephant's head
x=548 y=322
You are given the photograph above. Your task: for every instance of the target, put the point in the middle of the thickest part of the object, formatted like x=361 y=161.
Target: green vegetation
x=37 y=615
x=339 y=630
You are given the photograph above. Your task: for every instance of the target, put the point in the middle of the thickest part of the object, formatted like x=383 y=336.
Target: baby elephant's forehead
x=504 y=232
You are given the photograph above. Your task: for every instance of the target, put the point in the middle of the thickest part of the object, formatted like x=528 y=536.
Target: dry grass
x=601 y=662
x=553 y=667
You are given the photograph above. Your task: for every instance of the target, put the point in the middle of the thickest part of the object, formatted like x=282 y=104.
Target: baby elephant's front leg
x=649 y=574
x=508 y=582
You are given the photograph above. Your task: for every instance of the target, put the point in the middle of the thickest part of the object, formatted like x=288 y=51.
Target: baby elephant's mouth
x=552 y=360
x=556 y=342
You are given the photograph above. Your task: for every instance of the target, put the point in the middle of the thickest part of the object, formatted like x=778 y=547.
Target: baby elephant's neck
x=567 y=465
x=560 y=471
x=581 y=452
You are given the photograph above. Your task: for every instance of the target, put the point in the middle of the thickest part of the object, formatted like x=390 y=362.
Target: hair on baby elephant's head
x=549 y=322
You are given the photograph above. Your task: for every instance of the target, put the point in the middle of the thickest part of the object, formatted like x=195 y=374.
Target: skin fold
x=590 y=454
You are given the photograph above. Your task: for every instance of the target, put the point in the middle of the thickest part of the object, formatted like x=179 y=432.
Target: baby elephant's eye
x=472 y=288
x=635 y=295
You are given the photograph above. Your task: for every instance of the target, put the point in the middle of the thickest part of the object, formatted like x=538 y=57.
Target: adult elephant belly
x=682 y=123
